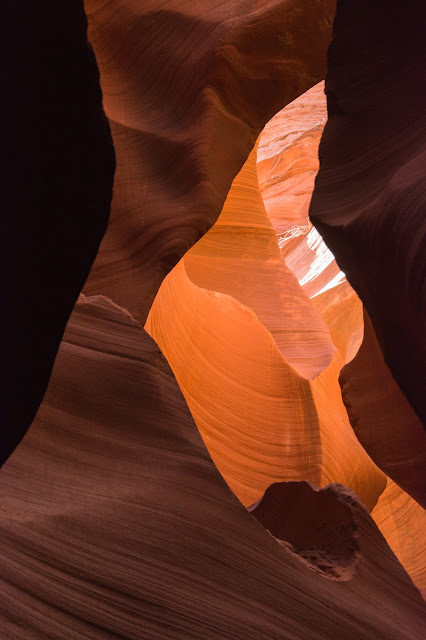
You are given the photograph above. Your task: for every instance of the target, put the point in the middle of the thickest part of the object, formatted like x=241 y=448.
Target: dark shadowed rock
x=57 y=170
x=369 y=198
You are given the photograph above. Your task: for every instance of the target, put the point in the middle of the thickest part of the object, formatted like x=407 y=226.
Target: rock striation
x=186 y=103
x=266 y=481
x=383 y=420
x=128 y=530
x=264 y=415
x=287 y=160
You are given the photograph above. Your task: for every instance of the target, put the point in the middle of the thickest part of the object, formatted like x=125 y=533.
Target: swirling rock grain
x=127 y=530
x=188 y=88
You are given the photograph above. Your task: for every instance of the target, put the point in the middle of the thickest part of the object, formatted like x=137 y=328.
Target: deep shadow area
x=315 y=525
x=57 y=163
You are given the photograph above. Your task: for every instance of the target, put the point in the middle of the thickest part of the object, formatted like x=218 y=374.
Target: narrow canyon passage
x=229 y=446
x=257 y=322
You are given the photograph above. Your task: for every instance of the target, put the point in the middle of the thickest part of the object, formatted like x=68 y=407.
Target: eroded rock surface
x=114 y=520
x=382 y=418
x=265 y=416
x=287 y=161
x=317 y=526
x=186 y=103
x=128 y=530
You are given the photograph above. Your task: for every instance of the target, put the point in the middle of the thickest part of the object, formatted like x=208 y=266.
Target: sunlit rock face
x=288 y=159
x=240 y=257
x=265 y=415
x=128 y=530
x=402 y=521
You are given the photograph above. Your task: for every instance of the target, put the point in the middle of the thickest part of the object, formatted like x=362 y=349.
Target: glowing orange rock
x=402 y=522
x=240 y=257
x=126 y=529
x=261 y=416
x=288 y=158
x=383 y=420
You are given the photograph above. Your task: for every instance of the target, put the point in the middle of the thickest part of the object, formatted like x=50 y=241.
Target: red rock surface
x=128 y=530
x=369 y=196
x=264 y=415
x=186 y=103
x=116 y=515
x=402 y=522
x=382 y=418
x=260 y=422
x=240 y=257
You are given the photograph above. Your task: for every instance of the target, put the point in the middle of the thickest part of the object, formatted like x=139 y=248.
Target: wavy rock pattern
x=287 y=163
x=57 y=173
x=312 y=262
x=369 y=198
x=240 y=257
x=302 y=432
x=382 y=418
x=262 y=420
x=288 y=159
x=186 y=104
x=114 y=520
x=118 y=533
x=342 y=311
x=402 y=522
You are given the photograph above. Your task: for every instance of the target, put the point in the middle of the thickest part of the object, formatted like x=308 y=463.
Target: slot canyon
x=213 y=335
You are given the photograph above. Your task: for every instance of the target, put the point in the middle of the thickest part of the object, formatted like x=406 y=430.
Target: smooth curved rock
x=114 y=521
x=369 y=196
x=312 y=263
x=127 y=529
x=402 y=521
x=287 y=160
x=57 y=173
x=240 y=257
x=342 y=311
x=262 y=420
x=382 y=418
x=186 y=102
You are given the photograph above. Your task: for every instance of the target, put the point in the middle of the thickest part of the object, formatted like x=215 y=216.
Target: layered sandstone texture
x=264 y=418
x=57 y=164
x=187 y=88
x=368 y=203
x=128 y=530
x=256 y=361
x=223 y=450
x=288 y=159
